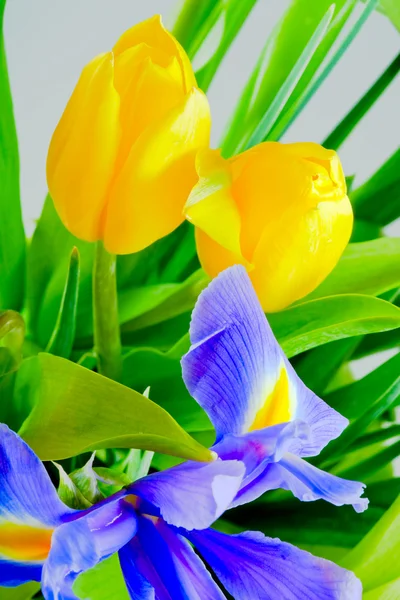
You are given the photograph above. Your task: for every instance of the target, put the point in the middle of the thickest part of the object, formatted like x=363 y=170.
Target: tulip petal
x=153 y=33
x=210 y=206
x=191 y=495
x=252 y=566
x=147 y=198
x=159 y=563
x=237 y=372
x=81 y=544
x=83 y=150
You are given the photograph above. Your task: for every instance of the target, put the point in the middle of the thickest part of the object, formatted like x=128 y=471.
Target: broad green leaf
x=103 y=582
x=366 y=268
x=163 y=373
x=75 y=410
x=324 y=320
x=12 y=236
x=377 y=342
x=22 y=592
x=346 y=126
x=375 y=560
x=377 y=200
x=62 y=339
x=388 y=591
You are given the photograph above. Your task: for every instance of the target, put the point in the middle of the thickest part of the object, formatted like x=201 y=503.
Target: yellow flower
x=121 y=162
x=279 y=209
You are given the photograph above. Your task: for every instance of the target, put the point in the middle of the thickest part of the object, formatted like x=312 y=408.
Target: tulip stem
x=107 y=340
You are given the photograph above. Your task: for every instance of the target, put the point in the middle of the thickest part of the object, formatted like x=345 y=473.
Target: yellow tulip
x=279 y=209
x=121 y=162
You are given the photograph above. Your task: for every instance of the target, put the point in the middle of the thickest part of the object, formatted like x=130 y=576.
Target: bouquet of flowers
x=178 y=415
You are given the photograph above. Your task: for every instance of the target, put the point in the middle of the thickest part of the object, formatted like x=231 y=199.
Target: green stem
x=107 y=341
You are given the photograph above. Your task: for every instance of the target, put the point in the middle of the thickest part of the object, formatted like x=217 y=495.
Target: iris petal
x=192 y=495
x=159 y=563
x=254 y=567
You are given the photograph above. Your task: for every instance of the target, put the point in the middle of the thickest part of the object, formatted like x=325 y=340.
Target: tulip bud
x=279 y=209
x=121 y=162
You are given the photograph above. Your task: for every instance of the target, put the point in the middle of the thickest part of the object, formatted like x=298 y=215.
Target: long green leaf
x=324 y=320
x=346 y=126
x=376 y=558
x=62 y=340
x=103 y=582
x=74 y=410
x=22 y=592
x=377 y=200
x=388 y=591
x=300 y=100
x=365 y=468
x=278 y=103
x=365 y=268
x=12 y=236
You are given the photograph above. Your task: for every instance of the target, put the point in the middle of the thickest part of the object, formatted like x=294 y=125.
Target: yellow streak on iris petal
x=276 y=408
x=83 y=150
x=24 y=543
x=148 y=196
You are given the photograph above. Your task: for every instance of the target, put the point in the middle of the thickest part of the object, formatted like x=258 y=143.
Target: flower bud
x=121 y=162
x=279 y=209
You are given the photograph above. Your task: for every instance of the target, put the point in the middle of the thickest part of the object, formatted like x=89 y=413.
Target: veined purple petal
x=238 y=373
x=310 y=483
x=27 y=495
x=254 y=567
x=160 y=564
x=191 y=495
x=82 y=543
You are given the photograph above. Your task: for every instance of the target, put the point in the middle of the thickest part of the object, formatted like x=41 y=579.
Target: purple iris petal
x=191 y=495
x=238 y=373
x=159 y=563
x=254 y=567
x=27 y=495
x=82 y=543
x=13 y=573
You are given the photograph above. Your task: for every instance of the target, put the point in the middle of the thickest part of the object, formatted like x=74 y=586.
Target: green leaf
x=365 y=468
x=270 y=117
x=103 y=582
x=75 y=410
x=69 y=492
x=388 y=591
x=12 y=332
x=12 y=236
x=391 y=8
x=62 y=339
x=377 y=200
x=21 y=592
x=346 y=126
x=375 y=560
x=350 y=276
x=324 y=320
x=163 y=373
x=377 y=342
x=48 y=261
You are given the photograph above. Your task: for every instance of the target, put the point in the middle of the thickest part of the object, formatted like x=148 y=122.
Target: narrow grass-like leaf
x=277 y=105
x=377 y=200
x=296 y=106
x=74 y=410
x=346 y=126
x=381 y=435
x=62 y=339
x=371 y=465
x=377 y=342
x=12 y=236
x=350 y=276
x=324 y=320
